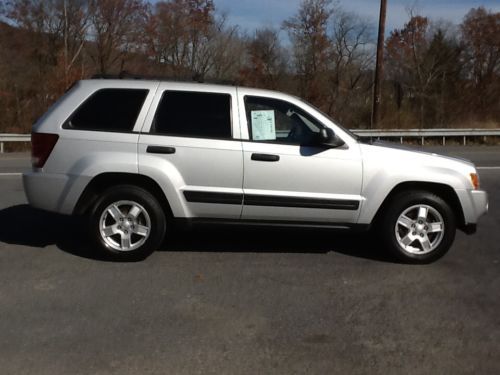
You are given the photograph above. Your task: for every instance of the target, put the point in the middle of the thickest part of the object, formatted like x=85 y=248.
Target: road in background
x=244 y=301
x=16 y=162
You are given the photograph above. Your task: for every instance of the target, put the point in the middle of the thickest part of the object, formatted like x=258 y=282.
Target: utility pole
x=65 y=45
x=379 y=67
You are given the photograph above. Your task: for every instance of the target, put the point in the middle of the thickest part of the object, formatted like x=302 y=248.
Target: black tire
x=429 y=240
x=127 y=239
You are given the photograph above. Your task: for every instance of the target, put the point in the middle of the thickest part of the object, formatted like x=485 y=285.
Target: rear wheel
x=127 y=223
x=418 y=227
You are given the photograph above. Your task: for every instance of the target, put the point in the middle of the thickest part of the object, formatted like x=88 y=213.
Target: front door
x=290 y=177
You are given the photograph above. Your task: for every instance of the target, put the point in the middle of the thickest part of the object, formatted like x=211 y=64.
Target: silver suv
x=136 y=155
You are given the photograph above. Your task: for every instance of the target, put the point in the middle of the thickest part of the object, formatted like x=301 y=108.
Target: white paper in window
x=263 y=125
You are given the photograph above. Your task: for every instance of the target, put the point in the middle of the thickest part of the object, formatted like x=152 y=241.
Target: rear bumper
x=53 y=192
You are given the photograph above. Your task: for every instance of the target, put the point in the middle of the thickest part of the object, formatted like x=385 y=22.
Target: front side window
x=194 y=114
x=279 y=121
x=109 y=110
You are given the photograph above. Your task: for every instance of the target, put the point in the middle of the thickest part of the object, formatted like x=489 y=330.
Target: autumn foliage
x=437 y=74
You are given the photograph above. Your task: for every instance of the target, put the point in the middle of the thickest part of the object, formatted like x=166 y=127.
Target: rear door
x=191 y=142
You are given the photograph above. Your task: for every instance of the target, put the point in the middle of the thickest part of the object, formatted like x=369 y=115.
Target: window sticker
x=263 y=125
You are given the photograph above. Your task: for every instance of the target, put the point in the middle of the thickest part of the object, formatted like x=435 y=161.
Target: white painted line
x=487 y=167
x=10 y=174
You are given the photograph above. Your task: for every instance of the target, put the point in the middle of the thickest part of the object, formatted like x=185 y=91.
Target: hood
x=409 y=151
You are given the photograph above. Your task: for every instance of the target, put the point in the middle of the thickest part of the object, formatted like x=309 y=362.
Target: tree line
x=437 y=74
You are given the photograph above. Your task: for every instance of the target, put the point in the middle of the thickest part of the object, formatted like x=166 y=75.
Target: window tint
x=279 y=121
x=194 y=114
x=109 y=109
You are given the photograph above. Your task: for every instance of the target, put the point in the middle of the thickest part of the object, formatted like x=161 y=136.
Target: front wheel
x=127 y=223
x=418 y=227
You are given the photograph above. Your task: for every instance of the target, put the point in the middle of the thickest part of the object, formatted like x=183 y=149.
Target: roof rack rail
x=195 y=78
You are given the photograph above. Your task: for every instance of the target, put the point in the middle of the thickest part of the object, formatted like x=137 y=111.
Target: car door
x=191 y=144
x=288 y=175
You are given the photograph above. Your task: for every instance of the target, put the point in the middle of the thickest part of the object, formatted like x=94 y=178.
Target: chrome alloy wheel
x=419 y=229
x=125 y=225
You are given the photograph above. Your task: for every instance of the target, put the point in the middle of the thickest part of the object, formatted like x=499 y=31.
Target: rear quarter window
x=108 y=110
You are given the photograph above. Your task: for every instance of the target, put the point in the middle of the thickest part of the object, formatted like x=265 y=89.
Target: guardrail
x=377 y=133
x=428 y=133
x=4 y=138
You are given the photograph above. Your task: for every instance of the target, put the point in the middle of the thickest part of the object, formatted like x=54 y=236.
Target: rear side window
x=193 y=114
x=109 y=110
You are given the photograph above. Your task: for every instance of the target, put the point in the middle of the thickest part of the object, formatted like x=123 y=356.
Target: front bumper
x=474 y=205
x=469 y=228
x=479 y=202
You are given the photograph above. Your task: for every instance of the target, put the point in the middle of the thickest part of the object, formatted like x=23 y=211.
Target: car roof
x=116 y=82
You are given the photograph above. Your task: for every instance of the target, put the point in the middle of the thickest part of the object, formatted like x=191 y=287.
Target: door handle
x=160 y=150
x=265 y=157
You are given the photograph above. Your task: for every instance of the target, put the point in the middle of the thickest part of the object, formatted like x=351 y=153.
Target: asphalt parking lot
x=245 y=301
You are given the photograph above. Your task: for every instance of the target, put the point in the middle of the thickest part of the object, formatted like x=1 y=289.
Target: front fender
x=385 y=169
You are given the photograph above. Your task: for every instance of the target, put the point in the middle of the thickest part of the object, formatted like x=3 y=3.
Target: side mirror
x=328 y=138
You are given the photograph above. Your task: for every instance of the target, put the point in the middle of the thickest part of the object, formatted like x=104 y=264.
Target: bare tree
x=440 y=77
x=420 y=61
x=407 y=51
x=481 y=58
x=184 y=34
x=228 y=51
x=311 y=45
x=58 y=28
x=75 y=16
x=45 y=40
x=351 y=59
x=266 y=59
x=116 y=30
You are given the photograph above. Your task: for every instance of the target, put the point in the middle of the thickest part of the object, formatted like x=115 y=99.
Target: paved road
x=14 y=163
x=233 y=301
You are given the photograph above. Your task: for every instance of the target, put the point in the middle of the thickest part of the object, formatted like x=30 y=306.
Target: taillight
x=42 y=145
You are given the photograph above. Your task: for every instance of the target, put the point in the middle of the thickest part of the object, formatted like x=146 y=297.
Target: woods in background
x=437 y=74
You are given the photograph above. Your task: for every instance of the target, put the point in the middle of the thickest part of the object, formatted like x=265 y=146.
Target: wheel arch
x=104 y=181
x=445 y=192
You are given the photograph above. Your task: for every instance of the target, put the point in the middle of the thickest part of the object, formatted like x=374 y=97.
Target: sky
x=252 y=14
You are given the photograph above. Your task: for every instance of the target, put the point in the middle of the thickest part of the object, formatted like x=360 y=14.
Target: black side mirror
x=328 y=138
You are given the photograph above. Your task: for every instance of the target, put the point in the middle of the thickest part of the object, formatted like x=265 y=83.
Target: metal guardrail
x=378 y=133
x=13 y=138
x=427 y=133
